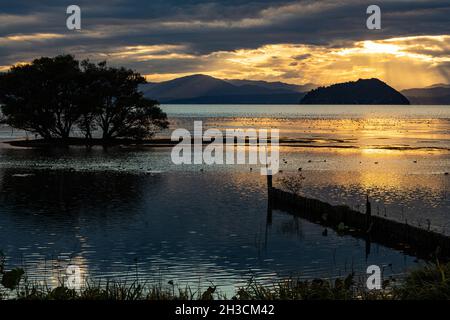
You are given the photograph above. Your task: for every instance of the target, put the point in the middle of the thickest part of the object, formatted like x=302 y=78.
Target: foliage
x=294 y=289
x=10 y=279
x=431 y=282
x=52 y=96
x=119 y=109
x=42 y=97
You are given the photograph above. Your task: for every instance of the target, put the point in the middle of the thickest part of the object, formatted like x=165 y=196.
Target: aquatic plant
x=10 y=279
x=431 y=282
x=295 y=289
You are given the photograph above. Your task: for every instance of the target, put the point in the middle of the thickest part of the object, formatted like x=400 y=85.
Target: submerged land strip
x=166 y=142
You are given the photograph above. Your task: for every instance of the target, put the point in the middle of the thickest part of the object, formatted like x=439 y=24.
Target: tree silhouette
x=120 y=110
x=42 y=97
x=51 y=96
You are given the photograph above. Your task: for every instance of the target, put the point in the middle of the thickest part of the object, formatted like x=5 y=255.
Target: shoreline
x=167 y=142
x=43 y=143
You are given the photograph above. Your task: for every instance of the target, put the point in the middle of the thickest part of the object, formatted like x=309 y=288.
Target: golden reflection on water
x=401 y=163
x=53 y=272
x=359 y=132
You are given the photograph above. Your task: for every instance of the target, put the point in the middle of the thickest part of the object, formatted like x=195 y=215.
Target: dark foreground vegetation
x=54 y=97
x=431 y=282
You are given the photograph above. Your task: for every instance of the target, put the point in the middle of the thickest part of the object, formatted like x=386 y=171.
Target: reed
x=431 y=282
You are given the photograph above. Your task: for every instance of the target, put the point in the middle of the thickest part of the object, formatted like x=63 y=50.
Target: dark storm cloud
x=203 y=27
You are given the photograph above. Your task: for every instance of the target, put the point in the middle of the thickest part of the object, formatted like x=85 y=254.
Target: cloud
x=237 y=38
x=34 y=37
x=396 y=60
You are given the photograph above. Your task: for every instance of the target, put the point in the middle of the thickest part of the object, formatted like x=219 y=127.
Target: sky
x=299 y=42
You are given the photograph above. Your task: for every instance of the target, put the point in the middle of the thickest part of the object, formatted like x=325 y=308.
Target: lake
x=128 y=212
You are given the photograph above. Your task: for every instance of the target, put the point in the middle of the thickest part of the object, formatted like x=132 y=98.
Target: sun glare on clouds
x=402 y=62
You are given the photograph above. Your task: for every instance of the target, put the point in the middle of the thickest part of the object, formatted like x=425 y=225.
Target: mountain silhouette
x=203 y=89
x=363 y=91
x=437 y=94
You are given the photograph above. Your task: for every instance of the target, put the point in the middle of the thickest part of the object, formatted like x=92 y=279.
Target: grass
x=430 y=282
x=109 y=291
x=292 y=289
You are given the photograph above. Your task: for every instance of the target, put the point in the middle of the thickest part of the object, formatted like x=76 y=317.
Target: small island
x=364 y=91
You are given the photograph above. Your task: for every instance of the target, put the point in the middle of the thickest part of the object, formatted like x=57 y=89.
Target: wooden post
x=269 y=181
x=368 y=213
x=269 y=189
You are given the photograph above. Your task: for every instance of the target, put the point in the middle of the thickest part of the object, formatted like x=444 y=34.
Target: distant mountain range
x=203 y=89
x=435 y=94
x=363 y=91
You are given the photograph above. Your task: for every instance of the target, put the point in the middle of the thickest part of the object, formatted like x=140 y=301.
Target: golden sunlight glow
x=138 y=50
x=371 y=47
x=31 y=37
x=401 y=62
x=18 y=63
x=374 y=47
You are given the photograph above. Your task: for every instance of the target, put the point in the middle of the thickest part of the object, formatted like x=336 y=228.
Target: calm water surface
x=127 y=212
